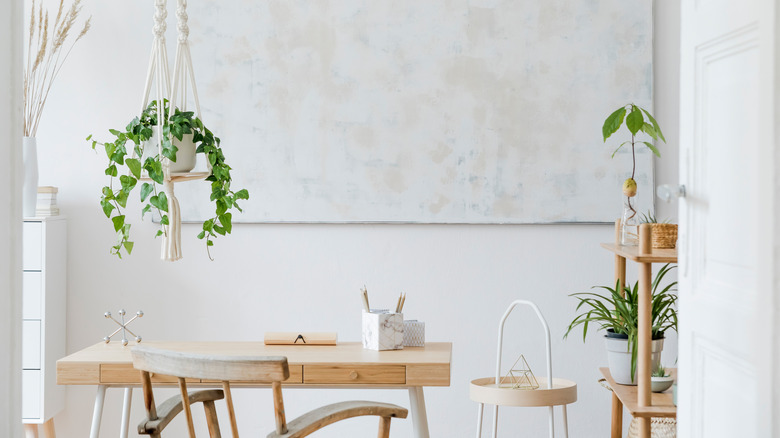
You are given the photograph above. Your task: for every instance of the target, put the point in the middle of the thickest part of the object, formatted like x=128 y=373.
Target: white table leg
x=552 y=422
x=565 y=423
x=480 y=411
x=97 y=413
x=125 y=427
x=495 y=421
x=419 y=417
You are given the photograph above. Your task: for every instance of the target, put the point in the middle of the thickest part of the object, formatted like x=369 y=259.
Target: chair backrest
x=210 y=367
x=183 y=365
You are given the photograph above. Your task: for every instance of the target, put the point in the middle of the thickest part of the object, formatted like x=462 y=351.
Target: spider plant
x=619 y=313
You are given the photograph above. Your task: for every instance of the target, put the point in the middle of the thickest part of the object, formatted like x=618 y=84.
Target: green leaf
x=128 y=247
x=146 y=189
x=618 y=148
x=107 y=193
x=135 y=167
x=652 y=148
x=635 y=121
x=164 y=220
x=107 y=207
x=146 y=209
x=201 y=235
x=655 y=124
x=244 y=194
x=613 y=122
x=160 y=201
x=114 y=132
x=227 y=222
x=159 y=233
x=128 y=182
x=649 y=130
x=119 y=222
x=111 y=170
x=209 y=243
x=221 y=207
x=89 y=137
x=121 y=198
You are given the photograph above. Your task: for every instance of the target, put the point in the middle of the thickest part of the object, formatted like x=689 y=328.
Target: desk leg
x=419 y=417
x=125 y=427
x=97 y=413
x=617 y=417
x=48 y=428
x=480 y=411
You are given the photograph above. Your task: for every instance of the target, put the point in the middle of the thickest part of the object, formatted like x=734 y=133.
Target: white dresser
x=43 y=325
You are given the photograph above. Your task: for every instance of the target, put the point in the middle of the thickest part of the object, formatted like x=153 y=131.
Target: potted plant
x=660 y=380
x=664 y=234
x=634 y=117
x=132 y=155
x=618 y=315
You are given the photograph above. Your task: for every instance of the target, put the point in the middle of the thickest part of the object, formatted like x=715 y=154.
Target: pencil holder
x=383 y=330
x=414 y=333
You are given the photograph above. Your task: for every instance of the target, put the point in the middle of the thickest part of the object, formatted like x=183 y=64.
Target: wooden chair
x=271 y=369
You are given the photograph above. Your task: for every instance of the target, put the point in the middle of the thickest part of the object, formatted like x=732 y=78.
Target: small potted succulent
x=660 y=380
x=618 y=315
x=133 y=155
x=638 y=121
x=664 y=234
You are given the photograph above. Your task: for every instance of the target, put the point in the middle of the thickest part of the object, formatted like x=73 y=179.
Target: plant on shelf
x=130 y=162
x=637 y=120
x=619 y=313
x=660 y=372
x=649 y=218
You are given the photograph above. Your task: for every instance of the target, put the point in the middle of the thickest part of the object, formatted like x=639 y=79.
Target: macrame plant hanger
x=159 y=74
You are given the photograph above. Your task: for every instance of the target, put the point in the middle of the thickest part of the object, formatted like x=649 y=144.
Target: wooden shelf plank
x=662 y=402
x=632 y=253
x=184 y=176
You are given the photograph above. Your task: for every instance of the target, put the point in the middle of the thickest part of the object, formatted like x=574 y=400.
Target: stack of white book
x=47 y=202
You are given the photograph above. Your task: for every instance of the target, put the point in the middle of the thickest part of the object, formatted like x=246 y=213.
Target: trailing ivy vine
x=128 y=165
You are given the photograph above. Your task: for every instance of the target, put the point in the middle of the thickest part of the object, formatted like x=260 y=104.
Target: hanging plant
x=129 y=162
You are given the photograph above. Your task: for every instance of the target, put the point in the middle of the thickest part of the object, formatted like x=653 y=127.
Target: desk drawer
x=296 y=376
x=378 y=374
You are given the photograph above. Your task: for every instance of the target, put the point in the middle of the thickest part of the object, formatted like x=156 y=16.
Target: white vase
x=185 y=156
x=619 y=358
x=30 y=185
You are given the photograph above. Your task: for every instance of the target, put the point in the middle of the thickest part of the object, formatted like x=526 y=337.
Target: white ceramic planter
x=185 y=156
x=619 y=358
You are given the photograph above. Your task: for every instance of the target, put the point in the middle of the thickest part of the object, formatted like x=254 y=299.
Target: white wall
x=10 y=219
x=459 y=279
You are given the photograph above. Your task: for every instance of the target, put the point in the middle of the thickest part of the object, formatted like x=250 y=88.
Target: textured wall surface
x=436 y=111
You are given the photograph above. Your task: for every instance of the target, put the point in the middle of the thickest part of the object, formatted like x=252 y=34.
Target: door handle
x=669 y=192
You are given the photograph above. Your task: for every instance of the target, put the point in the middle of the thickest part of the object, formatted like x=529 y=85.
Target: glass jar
x=629 y=223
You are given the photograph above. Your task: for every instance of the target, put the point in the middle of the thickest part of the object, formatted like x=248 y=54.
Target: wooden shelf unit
x=662 y=402
x=639 y=399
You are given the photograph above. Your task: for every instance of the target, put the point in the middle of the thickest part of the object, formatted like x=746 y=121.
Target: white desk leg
x=480 y=411
x=419 y=417
x=97 y=414
x=125 y=427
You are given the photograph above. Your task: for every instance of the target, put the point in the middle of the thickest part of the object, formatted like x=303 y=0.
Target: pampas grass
x=51 y=49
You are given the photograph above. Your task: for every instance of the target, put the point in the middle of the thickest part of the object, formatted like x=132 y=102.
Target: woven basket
x=660 y=427
x=664 y=235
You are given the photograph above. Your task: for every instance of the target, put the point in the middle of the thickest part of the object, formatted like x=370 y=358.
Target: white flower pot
x=185 y=156
x=619 y=358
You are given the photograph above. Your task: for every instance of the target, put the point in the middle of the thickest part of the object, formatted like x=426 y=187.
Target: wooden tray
x=484 y=390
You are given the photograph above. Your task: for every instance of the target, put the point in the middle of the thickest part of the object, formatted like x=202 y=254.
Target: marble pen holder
x=383 y=330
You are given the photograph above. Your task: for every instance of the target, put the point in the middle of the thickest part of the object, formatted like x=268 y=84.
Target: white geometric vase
x=30 y=184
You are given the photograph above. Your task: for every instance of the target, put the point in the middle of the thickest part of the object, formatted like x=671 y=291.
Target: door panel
x=726 y=220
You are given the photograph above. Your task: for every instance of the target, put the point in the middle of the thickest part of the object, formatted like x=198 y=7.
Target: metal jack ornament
x=123 y=326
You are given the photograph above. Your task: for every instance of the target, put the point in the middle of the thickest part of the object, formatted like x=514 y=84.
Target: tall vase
x=30 y=186
x=629 y=223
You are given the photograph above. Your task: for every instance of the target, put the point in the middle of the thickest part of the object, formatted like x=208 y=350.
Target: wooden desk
x=346 y=365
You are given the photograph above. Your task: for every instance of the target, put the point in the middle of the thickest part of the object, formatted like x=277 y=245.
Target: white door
x=727 y=364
